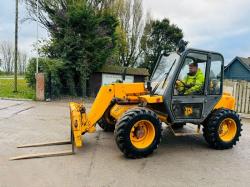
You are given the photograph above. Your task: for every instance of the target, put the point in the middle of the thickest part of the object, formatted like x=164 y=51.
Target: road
x=185 y=161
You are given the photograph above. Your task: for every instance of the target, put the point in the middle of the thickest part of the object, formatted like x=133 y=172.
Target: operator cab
x=190 y=83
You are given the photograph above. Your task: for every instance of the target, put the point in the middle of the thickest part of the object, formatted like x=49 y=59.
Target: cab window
x=191 y=79
x=215 y=75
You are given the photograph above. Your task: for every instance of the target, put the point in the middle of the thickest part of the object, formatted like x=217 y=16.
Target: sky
x=217 y=25
x=27 y=29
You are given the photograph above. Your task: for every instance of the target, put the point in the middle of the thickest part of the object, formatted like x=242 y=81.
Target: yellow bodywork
x=226 y=101
x=118 y=110
x=151 y=99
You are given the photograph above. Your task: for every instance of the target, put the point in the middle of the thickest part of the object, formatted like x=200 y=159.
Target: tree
x=82 y=34
x=130 y=14
x=7 y=58
x=158 y=36
x=7 y=53
x=22 y=62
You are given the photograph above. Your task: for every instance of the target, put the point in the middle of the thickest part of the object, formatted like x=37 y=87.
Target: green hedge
x=52 y=70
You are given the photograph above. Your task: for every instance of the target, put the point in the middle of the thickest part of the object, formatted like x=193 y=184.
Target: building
x=110 y=74
x=238 y=69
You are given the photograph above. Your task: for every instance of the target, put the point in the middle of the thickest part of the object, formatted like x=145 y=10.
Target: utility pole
x=37 y=14
x=16 y=48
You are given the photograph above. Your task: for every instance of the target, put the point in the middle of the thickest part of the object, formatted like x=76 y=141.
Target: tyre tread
x=210 y=129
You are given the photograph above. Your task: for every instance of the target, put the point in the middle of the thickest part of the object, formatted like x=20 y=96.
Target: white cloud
x=28 y=37
x=208 y=24
x=27 y=30
x=203 y=20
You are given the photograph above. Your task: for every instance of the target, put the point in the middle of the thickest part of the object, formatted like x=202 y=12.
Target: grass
x=7 y=87
x=10 y=76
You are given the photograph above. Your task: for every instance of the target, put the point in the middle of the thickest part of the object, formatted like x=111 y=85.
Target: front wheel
x=223 y=129
x=138 y=133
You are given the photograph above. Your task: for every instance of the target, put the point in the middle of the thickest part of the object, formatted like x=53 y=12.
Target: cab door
x=189 y=97
x=195 y=106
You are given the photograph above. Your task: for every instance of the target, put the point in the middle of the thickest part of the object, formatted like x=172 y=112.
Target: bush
x=52 y=69
x=3 y=73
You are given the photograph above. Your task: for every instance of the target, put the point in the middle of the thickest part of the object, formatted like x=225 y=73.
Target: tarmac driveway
x=179 y=161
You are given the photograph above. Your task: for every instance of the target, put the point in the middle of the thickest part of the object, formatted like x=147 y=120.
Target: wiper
x=165 y=77
x=157 y=85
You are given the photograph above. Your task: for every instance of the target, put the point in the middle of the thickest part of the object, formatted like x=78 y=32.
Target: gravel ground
x=179 y=161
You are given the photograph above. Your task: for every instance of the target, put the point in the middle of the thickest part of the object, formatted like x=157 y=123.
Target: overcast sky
x=219 y=25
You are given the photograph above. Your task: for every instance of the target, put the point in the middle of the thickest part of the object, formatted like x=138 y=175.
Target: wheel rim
x=142 y=134
x=227 y=130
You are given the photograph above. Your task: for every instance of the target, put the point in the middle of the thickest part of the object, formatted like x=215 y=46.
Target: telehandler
x=135 y=112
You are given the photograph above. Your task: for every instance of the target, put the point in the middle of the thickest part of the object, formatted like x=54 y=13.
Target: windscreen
x=162 y=71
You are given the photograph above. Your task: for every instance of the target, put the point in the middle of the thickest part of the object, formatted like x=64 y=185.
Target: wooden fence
x=241 y=92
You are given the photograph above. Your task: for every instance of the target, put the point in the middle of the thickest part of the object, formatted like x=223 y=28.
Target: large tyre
x=223 y=129
x=107 y=123
x=107 y=127
x=138 y=133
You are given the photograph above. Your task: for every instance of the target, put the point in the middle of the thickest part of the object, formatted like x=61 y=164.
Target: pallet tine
x=50 y=154
x=43 y=155
x=45 y=144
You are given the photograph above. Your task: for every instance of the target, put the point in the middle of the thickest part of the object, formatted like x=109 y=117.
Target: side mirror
x=149 y=88
x=165 y=53
x=181 y=46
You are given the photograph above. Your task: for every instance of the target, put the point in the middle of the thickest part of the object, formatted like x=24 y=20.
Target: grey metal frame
x=208 y=101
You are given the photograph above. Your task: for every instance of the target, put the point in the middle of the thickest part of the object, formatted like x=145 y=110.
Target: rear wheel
x=138 y=133
x=223 y=129
x=107 y=123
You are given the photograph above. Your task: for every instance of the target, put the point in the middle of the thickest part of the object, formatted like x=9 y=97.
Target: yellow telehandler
x=135 y=112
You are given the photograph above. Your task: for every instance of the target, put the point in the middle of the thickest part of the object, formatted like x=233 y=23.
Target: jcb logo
x=188 y=111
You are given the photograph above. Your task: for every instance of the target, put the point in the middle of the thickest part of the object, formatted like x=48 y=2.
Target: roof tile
x=245 y=61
